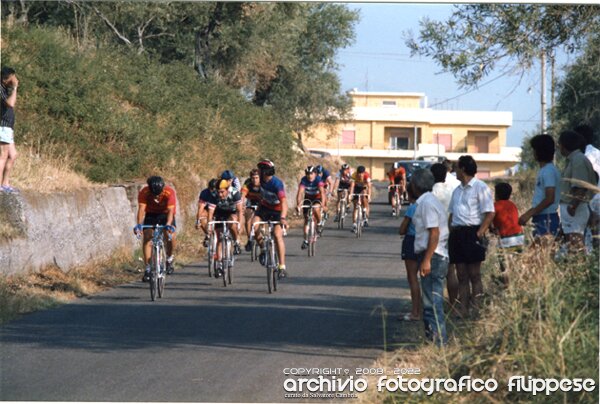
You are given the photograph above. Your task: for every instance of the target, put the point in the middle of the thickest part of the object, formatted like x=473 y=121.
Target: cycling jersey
x=311 y=188
x=360 y=184
x=344 y=179
x=207 y=196
x=158 y=204
x=395 y=176
x=271 y=193
x=251 y=193
x=225 y=207
x=324 y=176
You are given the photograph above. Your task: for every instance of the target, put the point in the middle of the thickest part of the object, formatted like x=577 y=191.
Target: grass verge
x=22 y=294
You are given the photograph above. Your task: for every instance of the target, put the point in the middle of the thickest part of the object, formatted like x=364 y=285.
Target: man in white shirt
x=442 y=190
x=431 y=246
x=471 y=213
x=593 y=155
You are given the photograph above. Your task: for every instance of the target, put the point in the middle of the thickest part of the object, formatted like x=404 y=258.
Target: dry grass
x=21 y=294
x=45 y=174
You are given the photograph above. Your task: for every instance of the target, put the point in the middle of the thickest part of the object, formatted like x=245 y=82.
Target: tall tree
x=579 y=92
x=477 y=38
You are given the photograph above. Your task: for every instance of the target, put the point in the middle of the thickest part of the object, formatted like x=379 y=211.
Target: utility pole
x=543 y=63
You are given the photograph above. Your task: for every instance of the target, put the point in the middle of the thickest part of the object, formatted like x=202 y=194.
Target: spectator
x=506 y=225
x=451 y=175
x=8 y=152
x=574 y=196
x=593 y=155
x=546 y=195
x=407 y=229
x=442 y=190
x=431 y=246
x=471 y=213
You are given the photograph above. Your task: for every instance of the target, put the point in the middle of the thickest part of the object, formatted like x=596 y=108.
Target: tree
x=306 y=90
x=579 y=92
x=476 y=38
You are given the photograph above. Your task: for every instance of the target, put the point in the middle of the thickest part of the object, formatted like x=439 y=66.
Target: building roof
x=386 y=93
x=432 y=116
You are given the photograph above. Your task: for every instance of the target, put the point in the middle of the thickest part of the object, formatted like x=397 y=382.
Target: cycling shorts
x=152 y=219
x=268 y=215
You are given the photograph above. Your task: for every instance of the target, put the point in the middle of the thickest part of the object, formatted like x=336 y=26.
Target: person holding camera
x=8 y=152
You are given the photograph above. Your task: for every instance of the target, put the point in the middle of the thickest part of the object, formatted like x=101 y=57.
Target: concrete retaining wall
x=64 y=229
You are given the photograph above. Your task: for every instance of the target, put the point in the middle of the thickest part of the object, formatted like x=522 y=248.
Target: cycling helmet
x=212 y=184
x=156 y=184
x=345 y=166
x=319 y=169
x=360 y=169
x=310 y=169
x=266 y=167
x=227 y=175
x=396 y=165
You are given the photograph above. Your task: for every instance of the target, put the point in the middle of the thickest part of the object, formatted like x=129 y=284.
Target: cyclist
x=251 y=193
x=343 y=179
x=156 y=206
x=207 y=195
x=327 y=184
x=234 y=182
x=361 y=184
x=227 y=206
x=397 y=176
x=273 y=207
x=311 y=187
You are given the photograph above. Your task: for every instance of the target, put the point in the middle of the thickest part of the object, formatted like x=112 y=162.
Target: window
x=348 y=137
x=482 y=144
x=483 y=174
x=389 y=103
x=399 y=142
x=443 y=139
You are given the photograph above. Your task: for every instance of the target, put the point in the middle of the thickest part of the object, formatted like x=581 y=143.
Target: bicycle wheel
x=398 y=205
x=230 y=261
x=275 y=261
x=253 y=254
x=310 y=235
x=211 y=254
x=342 y=216
x=269 y=266
x=358 y=221
x=160 y=285
x=224 y=260
x=154 y=273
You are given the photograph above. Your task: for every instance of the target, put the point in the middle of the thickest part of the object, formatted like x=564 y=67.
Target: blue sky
x=380 y=61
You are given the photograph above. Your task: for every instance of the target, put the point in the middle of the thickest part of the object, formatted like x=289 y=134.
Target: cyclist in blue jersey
x=311 y=187
x=273 y=207
x=207 y=195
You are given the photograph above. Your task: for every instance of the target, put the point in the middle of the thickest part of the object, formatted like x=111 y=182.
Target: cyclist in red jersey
x=156 y=206
x=397 y=176
x=361 y=184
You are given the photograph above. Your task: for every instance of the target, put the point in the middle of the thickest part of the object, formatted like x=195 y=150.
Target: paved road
x=204 y=342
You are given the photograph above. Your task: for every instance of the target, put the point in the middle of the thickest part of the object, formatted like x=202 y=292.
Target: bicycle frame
x=158 y=261
x=271 y=256
x=341 y=206
x=225 y=241
x=360 y=214
x=311 y=234
x=397 y=199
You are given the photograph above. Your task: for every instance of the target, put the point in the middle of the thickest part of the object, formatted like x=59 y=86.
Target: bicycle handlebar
x=269 y=223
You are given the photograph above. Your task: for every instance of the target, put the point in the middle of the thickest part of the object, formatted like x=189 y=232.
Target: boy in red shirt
x=506 y=225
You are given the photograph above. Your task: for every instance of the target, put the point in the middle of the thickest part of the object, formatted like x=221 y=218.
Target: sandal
x=407 y=317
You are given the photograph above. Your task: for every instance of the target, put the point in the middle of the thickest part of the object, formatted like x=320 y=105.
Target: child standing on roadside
x=407 y=229
x=506 y=225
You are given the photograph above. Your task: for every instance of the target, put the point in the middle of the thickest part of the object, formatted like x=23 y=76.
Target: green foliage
x=121 y=115
x=478 y=37
x=578 y=101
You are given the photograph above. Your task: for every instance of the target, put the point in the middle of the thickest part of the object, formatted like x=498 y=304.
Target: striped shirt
x=7 y=114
